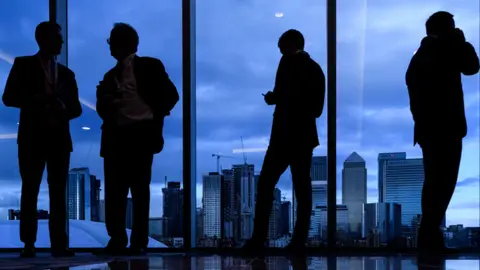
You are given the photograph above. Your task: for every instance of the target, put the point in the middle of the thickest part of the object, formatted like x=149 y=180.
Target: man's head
x=440 y=23
x=123 y=41
x=291 y=41
x=49 y=38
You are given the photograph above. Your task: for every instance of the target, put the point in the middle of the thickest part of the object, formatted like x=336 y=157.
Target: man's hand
x=269 y=98
x=459 y=36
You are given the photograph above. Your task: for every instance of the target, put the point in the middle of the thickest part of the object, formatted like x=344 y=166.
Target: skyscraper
x=245 y=190
x=354 y=190
x=403 y=185
x=173 y=209
x=228 y=203
x=83 y=195
x=285 y=214
x=212 y=205
x=318 y=175
x=275 y=218
x=385 y=218
x=383 y=158
x=318 y=170
x=319 y=221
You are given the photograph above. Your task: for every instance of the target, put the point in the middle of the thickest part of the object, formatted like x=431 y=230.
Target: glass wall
x=160 y=32
x=17 y=38
x=236 y=61
x=380 y=171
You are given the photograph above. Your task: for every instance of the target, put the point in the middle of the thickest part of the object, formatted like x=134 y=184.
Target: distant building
x=319 y=222
x=383 y=159
x=228 y=203
x=285 y=214
x=275 y=216
x=384 y=219
x=156 y=227
x=403 y=183
x=354 y=191
x=83 y=195
x=245 y=190
x=173 y=209
x=212 y=205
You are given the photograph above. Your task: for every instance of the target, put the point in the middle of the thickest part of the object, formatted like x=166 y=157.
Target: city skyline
x=373 y=115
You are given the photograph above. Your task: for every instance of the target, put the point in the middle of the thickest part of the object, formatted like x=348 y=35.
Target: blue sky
x=236 y=61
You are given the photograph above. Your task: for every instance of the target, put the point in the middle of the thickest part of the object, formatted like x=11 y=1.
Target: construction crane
x=218 y=156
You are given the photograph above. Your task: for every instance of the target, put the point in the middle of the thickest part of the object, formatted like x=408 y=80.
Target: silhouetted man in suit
x=436 y=102
x=47 y=95
x=133 y=100
x=298 y=97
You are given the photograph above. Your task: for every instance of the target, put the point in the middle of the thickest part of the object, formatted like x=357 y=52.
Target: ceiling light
x=86 y=128
x=279 y=14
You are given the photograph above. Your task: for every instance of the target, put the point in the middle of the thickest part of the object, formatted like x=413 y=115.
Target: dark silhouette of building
x=173 y=209
x=228 y=202
x=285 y=214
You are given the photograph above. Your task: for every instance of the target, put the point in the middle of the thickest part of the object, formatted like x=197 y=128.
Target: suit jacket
x=157 y=91
x=26 y=80
x=435 y=89
x=299 y=96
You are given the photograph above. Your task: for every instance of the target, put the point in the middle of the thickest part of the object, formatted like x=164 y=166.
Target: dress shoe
x=28 y=252
x=111 y=251
x=62 y=252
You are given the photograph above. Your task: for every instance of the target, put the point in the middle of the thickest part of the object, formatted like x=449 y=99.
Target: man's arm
x=318 y=91
x=168 y=92
x=13 y=95
x=104 y=102
x=469 y=63
x=414 y=84
x=73 y=106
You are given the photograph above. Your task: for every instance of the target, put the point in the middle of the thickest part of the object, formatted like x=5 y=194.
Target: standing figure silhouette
x=436 y=101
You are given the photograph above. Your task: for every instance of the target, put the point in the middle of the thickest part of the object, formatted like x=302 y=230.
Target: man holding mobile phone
x=434 y=85
x=298 y=97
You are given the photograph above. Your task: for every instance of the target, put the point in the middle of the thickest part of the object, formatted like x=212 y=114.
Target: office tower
x=173 y=209
x=319 y=221
x=129 y=214
x=245 y=190
x=101 y=211
x=318 y=175
x=212 y=205
x=199 y=220
x=95 y=198
x=383 y=218
x=354 y=190
x=383 y=159
x=318 y=170
x=285 y=214
x=275 y=218
x=83 y=195
x=228 y=203
x=155 y=227
x=403 y=185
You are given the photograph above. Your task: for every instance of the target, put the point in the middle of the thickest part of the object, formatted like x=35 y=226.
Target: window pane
x=17 y=38
x=382 y=172
x=159 y=28
x=236 y=63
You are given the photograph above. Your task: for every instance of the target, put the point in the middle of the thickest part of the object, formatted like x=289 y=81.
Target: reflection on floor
x=182 y=261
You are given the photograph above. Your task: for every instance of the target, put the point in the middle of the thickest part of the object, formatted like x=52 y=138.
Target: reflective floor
x=181 y=261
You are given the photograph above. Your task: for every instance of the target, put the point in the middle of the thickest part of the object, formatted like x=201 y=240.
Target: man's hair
x=45 y=30
x=440 y=22
x=127 y=34
x=292 y=38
